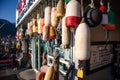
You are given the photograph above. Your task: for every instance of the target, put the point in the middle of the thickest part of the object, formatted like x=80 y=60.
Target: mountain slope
x=7 y=28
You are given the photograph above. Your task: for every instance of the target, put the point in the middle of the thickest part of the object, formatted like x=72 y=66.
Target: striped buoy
x=73 y=16
x=104 y=14
x=111 y=19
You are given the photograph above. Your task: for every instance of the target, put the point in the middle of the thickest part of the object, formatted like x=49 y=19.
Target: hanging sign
x=23 y=10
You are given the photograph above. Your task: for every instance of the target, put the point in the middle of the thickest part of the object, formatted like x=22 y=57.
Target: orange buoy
x=52 y=33
x=40 y=25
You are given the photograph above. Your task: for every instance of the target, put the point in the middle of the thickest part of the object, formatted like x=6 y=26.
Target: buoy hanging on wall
x=47 y=22
x=82 y=42
x=41 y=25
x=111 y=19
x=45 y=33
x=50 y=73
x=52 y=33
x=47 y=16
x=38 y=14
x=93 y=16
x=103 y=9
x=41 y=21
x=20 y=35
x=65 y=34
x=73 y=16
x=60 y=9
x=35 y=28
x=54 y=19
x=17 y=34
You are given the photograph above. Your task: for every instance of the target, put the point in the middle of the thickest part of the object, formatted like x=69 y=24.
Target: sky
x=8 y=10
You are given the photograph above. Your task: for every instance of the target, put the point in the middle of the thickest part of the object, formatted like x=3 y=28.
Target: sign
x=100 y=56
x=23 y=10
x=21 y=5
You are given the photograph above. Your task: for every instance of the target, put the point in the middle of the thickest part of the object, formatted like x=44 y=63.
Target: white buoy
x=46 y=33
x=82 y=42
x=65 y=34
x=47 y=16
x=54 y=19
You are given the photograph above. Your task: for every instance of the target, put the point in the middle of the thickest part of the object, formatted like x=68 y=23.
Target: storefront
x=54 y=27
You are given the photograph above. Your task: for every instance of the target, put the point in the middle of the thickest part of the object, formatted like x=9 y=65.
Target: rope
x=82 y=7
x=92 y=4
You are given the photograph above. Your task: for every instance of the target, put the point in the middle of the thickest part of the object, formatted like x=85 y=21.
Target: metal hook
x=101 y=2
x=92 y=3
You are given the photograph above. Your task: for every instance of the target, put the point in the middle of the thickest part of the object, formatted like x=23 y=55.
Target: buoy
x=40 y=25
x=20 y=35
x=38 y=15
x=109 y=27
x=65 y=34
x=60 y=9
x=40 y=75
x=50 y=73
x=31 y=23
x=73 y=16
x=45 y=33
x=41 y=21
x=92 y=16
x=103 y=9
x=35 y=28
x=82 y=42
x=111 y=19
x=47 y=16
x=52 y=33
x=54 y=19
